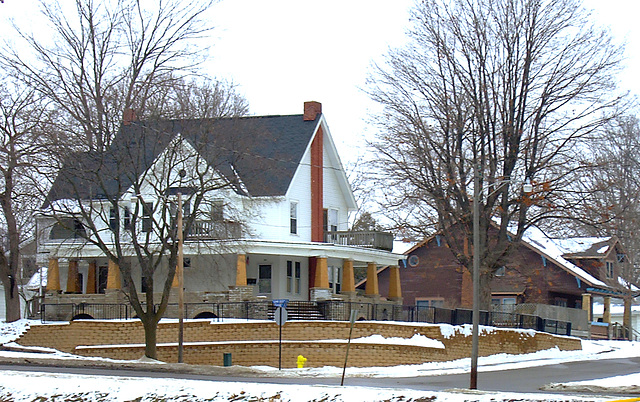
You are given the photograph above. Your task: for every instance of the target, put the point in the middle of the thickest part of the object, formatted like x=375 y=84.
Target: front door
x=264 y=281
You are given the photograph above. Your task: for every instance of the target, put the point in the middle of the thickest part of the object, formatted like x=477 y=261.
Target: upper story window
x=293 y=218
x=127 y=218
x=113 y=219
x=330 y=220
x=147 y=220
x=609 y=269
x=217 y=210
x=67 y=228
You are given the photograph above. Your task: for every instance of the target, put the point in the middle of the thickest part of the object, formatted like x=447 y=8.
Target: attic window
x=621 y=257
x=413 y=260
x=501 y=271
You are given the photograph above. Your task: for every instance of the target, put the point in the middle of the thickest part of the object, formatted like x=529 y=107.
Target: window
x=620 y=257
x=335 y=278
x=127 y=218
x=217 y=210
x=113 y=219
x=147 y=221
x=609 y=268
x=433 y=302
x=289 y=276
x=413 y=260
x=297 y=277
x=501 y=271
x=293 y=218
x=186 y=262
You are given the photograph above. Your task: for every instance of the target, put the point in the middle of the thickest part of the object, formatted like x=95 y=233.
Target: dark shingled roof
x=258 y=155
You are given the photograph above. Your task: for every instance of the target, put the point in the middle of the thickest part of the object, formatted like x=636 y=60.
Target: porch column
x=606 y=314
x=53 y=276
x=586 y=305
x=371 y=289
x=348 y=278
x=72 y=277
x=113 y=276
x=241 y=270
x=91 y=278
x=322 y=273
x=395 y=291
x=626 y=320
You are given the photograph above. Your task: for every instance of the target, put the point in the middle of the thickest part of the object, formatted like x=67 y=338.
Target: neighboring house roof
x=586 y=247
x=555 y=250
x=258 y=155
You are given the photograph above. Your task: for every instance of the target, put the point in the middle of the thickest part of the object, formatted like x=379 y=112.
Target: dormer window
x=609 y=269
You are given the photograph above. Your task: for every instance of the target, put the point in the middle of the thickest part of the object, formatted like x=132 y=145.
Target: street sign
x=280 y=302
x=280 y=316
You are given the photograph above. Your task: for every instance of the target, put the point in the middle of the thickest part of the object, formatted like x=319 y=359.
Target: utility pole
x=180 y=269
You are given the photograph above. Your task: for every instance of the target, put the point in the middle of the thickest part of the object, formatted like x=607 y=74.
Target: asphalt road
x=518 y=380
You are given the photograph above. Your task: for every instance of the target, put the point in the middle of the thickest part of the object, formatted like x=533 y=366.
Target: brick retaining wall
x=256 y=343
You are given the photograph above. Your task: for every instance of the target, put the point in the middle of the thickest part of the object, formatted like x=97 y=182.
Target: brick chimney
x=128 y=116
x=311 y=110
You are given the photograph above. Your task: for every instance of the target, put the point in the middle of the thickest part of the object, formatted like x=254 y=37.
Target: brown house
x=539 y=270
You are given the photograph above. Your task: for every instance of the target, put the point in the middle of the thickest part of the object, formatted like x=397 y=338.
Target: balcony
x=375 y=240
x=214 y=230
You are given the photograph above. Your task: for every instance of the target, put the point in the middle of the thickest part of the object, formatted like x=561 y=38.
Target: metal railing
x=326 y=310
x=376 y=240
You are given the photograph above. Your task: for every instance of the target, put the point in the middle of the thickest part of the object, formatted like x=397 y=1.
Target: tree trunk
x=12 y=301
x=485 y=290
x=150 y=337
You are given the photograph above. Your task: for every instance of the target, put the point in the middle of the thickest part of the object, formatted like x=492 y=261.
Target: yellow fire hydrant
x=301 y=361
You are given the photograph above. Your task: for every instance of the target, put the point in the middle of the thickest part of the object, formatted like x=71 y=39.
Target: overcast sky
x=284 y=52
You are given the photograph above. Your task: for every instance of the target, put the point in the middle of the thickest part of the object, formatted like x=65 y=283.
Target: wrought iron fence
x=301 y=310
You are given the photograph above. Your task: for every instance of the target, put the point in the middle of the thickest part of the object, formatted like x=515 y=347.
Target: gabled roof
x=258 y=154
x=586 y=247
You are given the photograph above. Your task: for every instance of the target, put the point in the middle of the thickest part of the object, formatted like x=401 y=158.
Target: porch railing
x=215 y=230
x=375 y=240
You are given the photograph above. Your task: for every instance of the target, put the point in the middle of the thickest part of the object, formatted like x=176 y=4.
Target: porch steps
x=299 y=310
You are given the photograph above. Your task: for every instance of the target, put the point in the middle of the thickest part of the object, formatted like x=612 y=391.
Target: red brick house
x=540 y=270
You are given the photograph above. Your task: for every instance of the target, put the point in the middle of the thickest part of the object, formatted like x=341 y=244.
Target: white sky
x=20 y=384
x=285 y=52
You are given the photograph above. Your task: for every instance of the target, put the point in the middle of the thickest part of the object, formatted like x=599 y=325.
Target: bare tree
x=613 y=186
x=24 y=145
x=515 y=88
x=107 y=57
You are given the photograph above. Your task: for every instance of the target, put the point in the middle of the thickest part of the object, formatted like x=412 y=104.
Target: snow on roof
x=402 y=246
x=555 y=249
x=577 y=245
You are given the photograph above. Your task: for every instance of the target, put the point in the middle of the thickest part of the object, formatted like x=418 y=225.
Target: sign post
x=280 y=316
x=352 y=320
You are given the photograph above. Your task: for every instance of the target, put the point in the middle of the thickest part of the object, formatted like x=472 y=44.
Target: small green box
x=226 y=359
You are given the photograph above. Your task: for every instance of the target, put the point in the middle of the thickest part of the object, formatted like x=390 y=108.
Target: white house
x=271 y=220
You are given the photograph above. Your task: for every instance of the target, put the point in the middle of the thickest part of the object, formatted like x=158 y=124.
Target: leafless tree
x=613 y=186
x=24 y=144
x=107 y=57
x=514 y=87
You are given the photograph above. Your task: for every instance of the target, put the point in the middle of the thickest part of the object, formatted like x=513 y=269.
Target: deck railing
x=215 y=230
x=375 y=240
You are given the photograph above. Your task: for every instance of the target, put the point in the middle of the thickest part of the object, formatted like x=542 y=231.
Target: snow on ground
x=19 y=386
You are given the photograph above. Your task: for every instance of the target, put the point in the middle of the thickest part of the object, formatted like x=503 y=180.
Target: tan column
x=395 y=291
x=606 y=313
x=586 y=305
x=72 y=277
x=176 y=279
x=322 y=273
x=91 y=278
x=241 y=270
x=371 y=288
x=53 y=276
x=626 y=320
x=113 y=276
x=348 y=277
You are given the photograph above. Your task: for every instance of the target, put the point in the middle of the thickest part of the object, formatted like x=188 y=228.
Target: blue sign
x=280 y=302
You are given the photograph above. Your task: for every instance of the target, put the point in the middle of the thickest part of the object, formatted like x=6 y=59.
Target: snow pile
x=416 y=340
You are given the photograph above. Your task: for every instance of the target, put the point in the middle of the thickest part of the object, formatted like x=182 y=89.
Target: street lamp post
x=473 y=382
x=475 y=320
